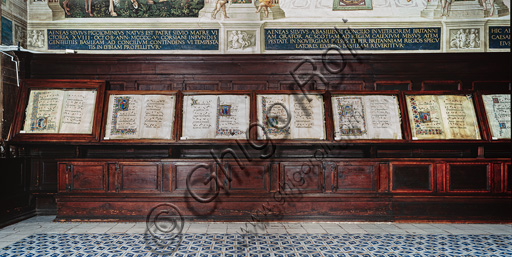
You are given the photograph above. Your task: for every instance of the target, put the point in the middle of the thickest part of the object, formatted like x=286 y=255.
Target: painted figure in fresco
x=484 y=4
x=265 y=4
x=113 y=3
x=159 y=1
x=221 y=4
x=445 y=7
x=88 y=4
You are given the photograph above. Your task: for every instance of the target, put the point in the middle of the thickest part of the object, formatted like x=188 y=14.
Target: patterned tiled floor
x=262 y=245
x=41 y=237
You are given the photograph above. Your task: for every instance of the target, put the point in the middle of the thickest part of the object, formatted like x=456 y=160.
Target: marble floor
x=39 y=236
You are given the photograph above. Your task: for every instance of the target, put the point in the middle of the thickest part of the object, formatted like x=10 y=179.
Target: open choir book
x=60 y=111
x=294 y=116
x=140 y=116
x=366 y=117
x=442 y=117
x=497 y=108
x=215 y=116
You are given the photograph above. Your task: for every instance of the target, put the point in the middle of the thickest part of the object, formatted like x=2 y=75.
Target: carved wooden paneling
x=441 y=85
x=393 y=85
x=117 y=85
x=356 y=176
x=144 y=177
x=412 y=177
x=491 y=85
x=368 y=181
x=249 y=85
x=202 y=85
x=508 y=177
x=248 y=177
x=301 y=177
x=346 y=85
x=154 y=85
x=472 y=177
x=292 y=85
x=83 y=177
x=44 y=174
x=200 y=173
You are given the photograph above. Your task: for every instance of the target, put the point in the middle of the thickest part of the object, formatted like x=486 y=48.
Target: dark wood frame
x=432 y=177
x=392 y=82
x=426 y=83
x=139 y=140
x=489 y=175
x=476 y=108
x=387 y=92
x=22 y=103
x=474 y=83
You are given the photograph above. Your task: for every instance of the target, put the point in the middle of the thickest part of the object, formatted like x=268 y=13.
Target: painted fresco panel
x=131 y=8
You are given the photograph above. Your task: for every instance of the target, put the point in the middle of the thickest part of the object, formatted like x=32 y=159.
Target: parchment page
x=232 y=119
x=78 y=112
x=425 y=117
x=307 y=116
x=497 y=108
x=383 y=117
x=199 y=116
x=349 y=117
x=274 y=116
x=459 y=117
x=124 y=113
x=43 y=111
x=157 y=116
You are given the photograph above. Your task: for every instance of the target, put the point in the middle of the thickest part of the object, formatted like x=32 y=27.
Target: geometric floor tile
x=235 y=244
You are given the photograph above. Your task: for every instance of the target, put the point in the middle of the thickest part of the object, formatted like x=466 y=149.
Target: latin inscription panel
x=355 y=39
x=499 y=37
x=172 y=39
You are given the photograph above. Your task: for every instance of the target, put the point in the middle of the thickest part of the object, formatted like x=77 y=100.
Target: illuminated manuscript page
x=78 y=112
x=157 y=116
x=366 y=117
x=199 y=113
x=425 y=117
x=123 y=119
x=307 y=116
x=43 y=111
x=459 y=117
x=497 y=108
x=232 y=121
x=274 y=116
x=349 y=117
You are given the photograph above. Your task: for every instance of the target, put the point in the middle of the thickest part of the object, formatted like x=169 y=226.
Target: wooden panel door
x=412 y=177
x=199 y=172
x=468 y=177
x=83 y=177
x=248 y=177
x=138 y=177
x=301 y=177
x=357 y=177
